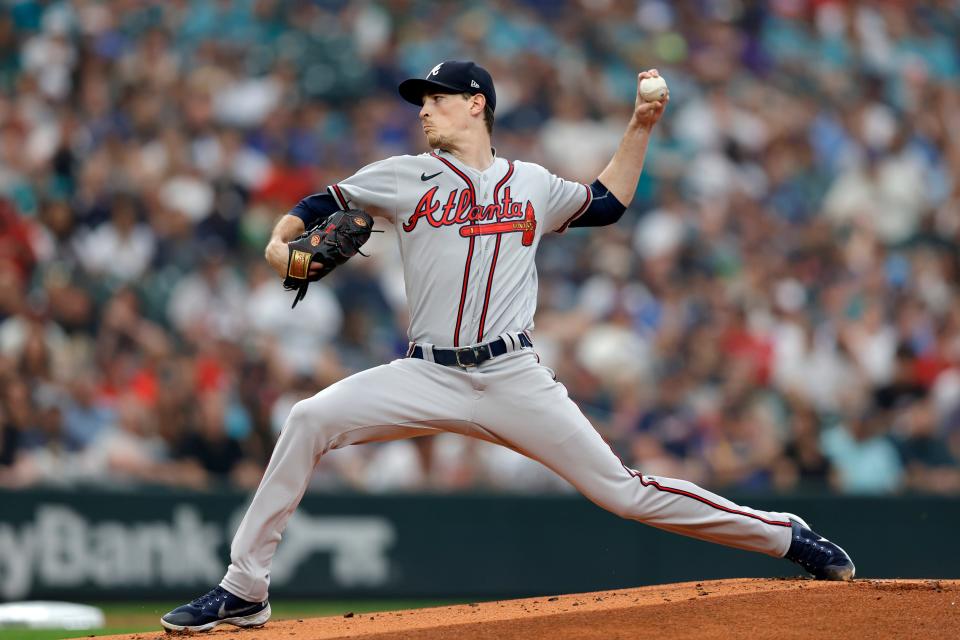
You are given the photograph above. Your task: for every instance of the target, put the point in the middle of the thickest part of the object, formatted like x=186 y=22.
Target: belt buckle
x=465 y=365
x=475 y=353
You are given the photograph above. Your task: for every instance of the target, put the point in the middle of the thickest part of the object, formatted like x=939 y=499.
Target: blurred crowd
x=777 y=311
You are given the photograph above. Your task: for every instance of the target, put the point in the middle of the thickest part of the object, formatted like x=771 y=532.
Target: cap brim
x=414 y=89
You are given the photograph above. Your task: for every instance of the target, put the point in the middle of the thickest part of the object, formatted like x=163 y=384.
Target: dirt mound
x=745 y=608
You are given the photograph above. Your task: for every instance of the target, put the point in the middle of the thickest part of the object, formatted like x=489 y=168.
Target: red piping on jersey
x=659 y=487
x=463 y=293
x=341 y=200
x=579 y=211
x=503 y=181
x=486 y=297
x=466 y=267
x=496 y=252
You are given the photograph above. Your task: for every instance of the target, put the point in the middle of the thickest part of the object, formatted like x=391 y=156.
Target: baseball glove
x=330 y=243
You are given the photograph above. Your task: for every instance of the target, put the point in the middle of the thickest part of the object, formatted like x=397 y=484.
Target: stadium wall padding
x=101 y=545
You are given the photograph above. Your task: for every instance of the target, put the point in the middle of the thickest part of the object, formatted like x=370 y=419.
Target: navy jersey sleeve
x=315 y=209
x=604 y=208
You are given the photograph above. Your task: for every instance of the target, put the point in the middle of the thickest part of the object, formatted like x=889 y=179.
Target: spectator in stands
x=803 y=465
x=10 y=437
x=928 y=462
x=864 y=457
x=122 y=248
x=214 y=449
x=84 y=417
x=130 y=448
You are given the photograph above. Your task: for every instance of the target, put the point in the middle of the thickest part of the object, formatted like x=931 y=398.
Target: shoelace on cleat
x=812 y=554
x=212 y=595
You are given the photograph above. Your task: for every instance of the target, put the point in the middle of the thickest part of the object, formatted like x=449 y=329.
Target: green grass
x=133 y=617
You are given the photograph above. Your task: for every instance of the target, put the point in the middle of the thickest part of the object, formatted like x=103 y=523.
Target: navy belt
x=469 y=356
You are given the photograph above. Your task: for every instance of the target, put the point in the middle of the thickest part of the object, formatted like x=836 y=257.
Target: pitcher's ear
x=477 y=104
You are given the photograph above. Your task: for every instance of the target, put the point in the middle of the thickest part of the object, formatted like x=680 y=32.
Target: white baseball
x=653 y=89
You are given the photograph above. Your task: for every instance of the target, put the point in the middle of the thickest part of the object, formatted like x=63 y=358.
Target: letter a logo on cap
x=435 y=70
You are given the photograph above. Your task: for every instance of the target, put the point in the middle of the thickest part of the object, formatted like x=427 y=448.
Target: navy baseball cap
x=451 y=76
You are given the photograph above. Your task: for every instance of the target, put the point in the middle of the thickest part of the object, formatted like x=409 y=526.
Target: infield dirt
x=743 y=608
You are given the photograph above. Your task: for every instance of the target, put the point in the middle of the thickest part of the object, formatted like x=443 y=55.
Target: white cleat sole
x=253 y=620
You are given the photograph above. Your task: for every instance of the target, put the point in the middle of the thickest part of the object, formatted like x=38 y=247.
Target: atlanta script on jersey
x=486 y=223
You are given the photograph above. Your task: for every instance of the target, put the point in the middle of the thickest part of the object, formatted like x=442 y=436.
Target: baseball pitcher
x=469 y=223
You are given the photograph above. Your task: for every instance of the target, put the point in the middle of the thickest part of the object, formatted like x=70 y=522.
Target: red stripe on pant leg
x=708 y=502
x=688 y=494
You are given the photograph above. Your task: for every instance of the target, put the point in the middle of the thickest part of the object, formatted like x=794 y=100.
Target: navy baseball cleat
x=820 y=557
x=219 y=606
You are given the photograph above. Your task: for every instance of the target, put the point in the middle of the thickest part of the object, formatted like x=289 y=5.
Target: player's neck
x=475 y=153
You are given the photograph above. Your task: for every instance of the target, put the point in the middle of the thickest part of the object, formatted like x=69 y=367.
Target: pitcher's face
x=445 y=117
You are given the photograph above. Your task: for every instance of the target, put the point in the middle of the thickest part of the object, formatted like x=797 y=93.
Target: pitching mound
x=745 y=608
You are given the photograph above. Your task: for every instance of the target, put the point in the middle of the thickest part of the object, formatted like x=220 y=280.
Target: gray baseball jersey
x=467 y=241
x=474 y=234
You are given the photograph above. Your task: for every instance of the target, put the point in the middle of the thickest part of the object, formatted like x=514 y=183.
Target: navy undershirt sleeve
x=604 y=208
x=315 y=209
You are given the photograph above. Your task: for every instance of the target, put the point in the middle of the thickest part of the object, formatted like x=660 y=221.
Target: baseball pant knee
x=619 y=505
x=308 y=422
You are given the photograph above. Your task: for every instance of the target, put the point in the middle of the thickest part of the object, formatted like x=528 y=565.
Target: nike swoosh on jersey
x=424 y=177
x=223 y=613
